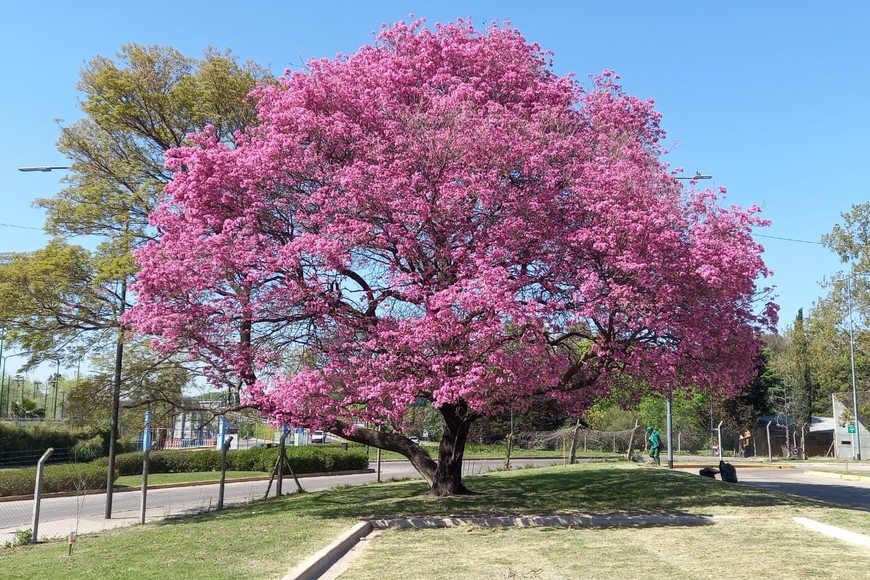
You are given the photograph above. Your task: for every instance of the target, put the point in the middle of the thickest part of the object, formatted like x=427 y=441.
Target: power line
x=19 y=227
x=4 y=225
x=789 y=239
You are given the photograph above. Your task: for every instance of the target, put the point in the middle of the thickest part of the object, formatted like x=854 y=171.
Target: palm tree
x=27 y=409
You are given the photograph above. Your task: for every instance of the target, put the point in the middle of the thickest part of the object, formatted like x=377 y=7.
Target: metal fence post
x=37 y=492
x=146 y=449
x=143 y=504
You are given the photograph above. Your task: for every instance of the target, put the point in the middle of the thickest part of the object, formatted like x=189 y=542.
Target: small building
x=846 y=433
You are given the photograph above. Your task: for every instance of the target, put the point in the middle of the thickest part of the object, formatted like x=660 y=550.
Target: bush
x=309 y=459
x=125 y=463
x=86 y=451
x=56 y=478
x=254 y=459
x=78 y=476
x=23 y=445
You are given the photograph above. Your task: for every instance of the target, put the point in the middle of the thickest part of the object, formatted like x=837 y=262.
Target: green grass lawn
x=266 y=539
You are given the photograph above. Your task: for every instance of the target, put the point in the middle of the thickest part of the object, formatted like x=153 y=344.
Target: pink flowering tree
x=440 y=217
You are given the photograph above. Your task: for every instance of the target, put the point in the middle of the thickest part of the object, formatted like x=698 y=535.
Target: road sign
x=850 y=427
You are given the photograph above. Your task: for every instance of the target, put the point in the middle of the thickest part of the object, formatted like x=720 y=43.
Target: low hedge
x=55 y=478
x=308 y=459
x=80 y=476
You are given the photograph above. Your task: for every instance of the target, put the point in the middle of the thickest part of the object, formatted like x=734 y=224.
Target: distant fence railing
x=186 y=443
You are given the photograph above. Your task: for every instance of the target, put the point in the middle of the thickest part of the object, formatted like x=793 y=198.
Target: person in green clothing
x=655 y=444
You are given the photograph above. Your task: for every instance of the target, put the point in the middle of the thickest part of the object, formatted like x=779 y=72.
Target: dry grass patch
x=736 y=549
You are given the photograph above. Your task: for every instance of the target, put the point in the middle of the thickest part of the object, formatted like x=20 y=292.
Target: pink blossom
x=440 y=216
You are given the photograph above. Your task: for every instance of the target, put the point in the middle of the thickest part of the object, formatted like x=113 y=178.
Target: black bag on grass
x=727 y=472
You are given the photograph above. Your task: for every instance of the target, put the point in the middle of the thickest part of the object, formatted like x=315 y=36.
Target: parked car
x=414 y=439
x=318 y=437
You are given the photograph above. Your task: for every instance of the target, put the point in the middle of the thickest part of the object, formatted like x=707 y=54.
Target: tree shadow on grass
x=599 y=490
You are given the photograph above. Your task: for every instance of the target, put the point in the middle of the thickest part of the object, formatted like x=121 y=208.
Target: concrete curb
x=833 y=475
x=565 y=520
x=315 y=566
x=853 y=538
x=702 y=464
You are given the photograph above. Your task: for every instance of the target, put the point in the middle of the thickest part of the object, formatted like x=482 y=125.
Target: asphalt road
x=59 y=516
x=853 y=494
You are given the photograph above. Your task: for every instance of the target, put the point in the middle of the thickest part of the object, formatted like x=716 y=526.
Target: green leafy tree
x=150 y=381
x=27 y=409
x=136 y=106
x=750 y=403
x=850 y=240
x=794 y=365
x=608 y=415
x=56 y=302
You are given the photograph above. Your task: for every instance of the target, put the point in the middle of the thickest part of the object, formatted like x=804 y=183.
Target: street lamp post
x=695 y=177
x=116 y=379
x=56 y=383
x=42 y=168
x=19 y=380
x=670 y=415
x=670 y=422
x=856 y=436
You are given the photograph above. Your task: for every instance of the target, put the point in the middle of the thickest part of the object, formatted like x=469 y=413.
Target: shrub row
x=68 y=477
x=81 y=476
x=308 y=459
x=38 y=437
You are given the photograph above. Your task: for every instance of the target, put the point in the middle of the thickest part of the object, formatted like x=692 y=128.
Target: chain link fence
x=74 y=501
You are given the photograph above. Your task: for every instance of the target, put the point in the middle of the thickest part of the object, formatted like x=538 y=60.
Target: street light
x=696 y=177
x=670 y=421
x=670 y=400
x=856 y=436
x=42 y=168
x=19 y=380
x=116 y=380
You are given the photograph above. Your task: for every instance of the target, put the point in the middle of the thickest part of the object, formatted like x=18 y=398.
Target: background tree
x=752 y=401
x=850 y=240
x=136 y=106
x=150 y=381
x=27 y=409
x=794 y=366
x=608 y=415
x=439 y=216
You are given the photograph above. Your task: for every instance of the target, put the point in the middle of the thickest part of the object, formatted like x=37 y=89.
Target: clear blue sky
x=771 y=98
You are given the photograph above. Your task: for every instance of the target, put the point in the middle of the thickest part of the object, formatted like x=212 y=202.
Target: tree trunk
x=448 y=474
x=444 y=476
x=417 y=455
x=572 y=453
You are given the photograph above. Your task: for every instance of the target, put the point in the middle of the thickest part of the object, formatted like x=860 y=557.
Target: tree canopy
x=65 y=299
x=439 y=216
